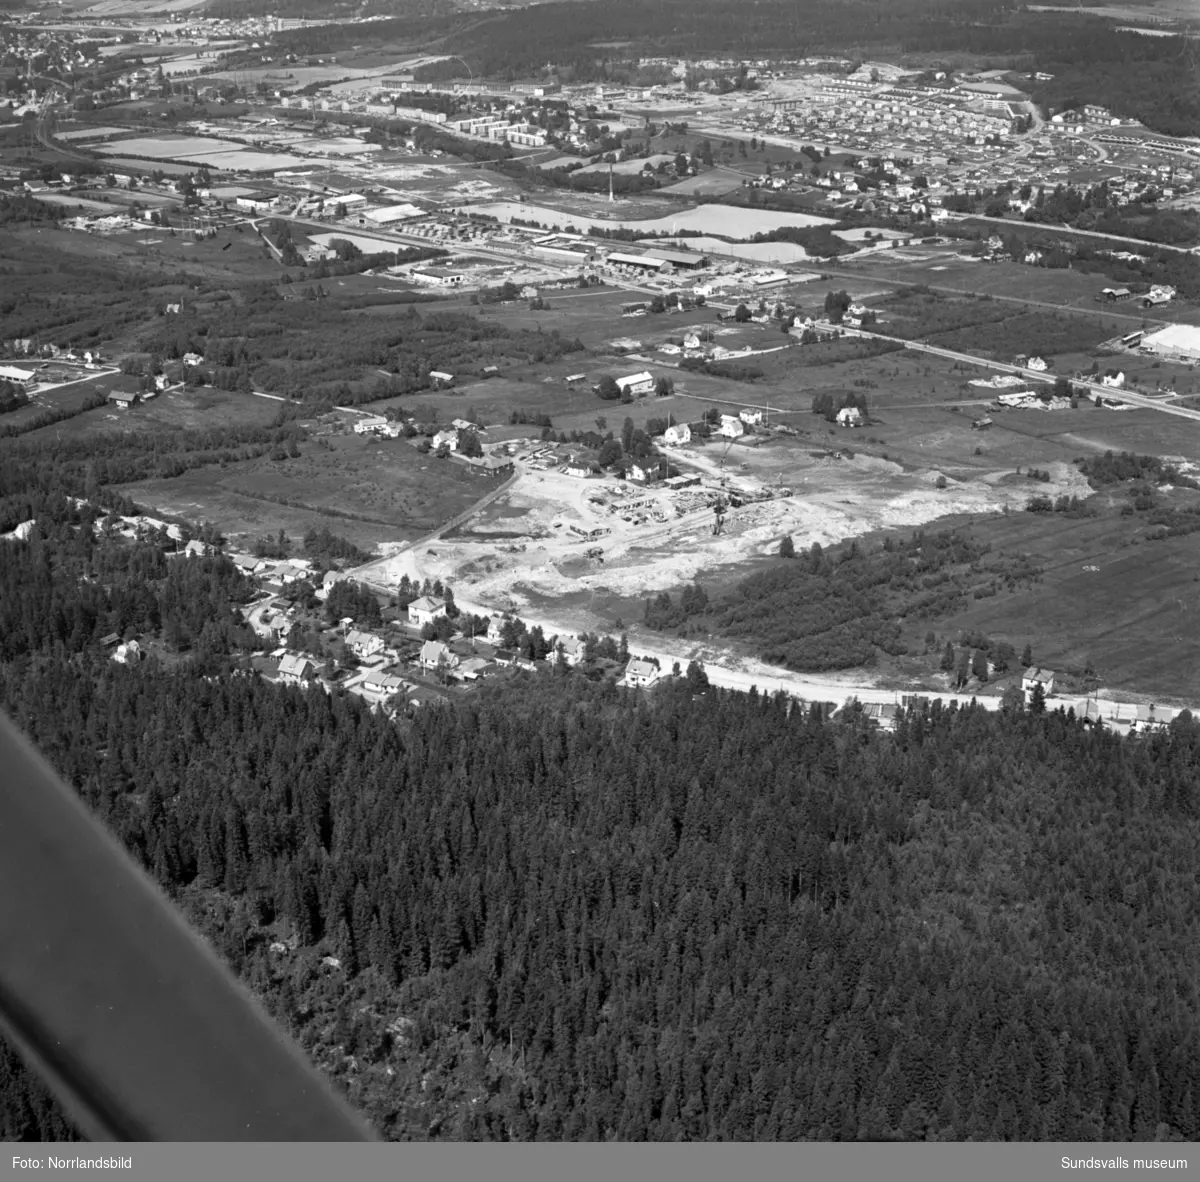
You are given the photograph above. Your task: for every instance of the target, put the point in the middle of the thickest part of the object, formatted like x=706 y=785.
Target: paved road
x=1012 y=224
x=1126 y=396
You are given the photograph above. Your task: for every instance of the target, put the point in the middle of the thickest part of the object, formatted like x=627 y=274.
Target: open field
x=370 y=491
x=714 y=183
x=940 y=267
x=166 y=146
x=174 y=409
x=1133 y=616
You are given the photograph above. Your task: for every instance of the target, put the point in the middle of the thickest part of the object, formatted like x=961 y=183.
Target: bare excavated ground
x=523 y=551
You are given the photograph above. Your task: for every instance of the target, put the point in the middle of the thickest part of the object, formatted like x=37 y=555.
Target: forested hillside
x=564 y=910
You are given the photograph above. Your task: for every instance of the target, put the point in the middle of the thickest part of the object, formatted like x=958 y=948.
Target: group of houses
x=464 y=659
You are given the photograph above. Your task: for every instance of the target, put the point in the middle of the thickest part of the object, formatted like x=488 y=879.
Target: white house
x=678 y=434
x=370 y=424
x=449 y=437
x=640 y=672
x=364 y=644
x=434 y=654
x=383 y=683
x=637 y=383
x=752 y=418
x=1036 y=364
x=731 y=426
x=296 y=669
x=496 y=628
x=1034 y=676
x=424 y=610
x=331 y=577
x=1115 y=380
x=849 y=416
x=128 y=653
x=572 y=650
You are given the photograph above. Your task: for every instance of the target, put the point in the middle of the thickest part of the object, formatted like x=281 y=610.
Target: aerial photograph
x=600 y=571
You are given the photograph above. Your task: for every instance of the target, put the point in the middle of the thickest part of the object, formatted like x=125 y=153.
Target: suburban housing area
x=630 y=569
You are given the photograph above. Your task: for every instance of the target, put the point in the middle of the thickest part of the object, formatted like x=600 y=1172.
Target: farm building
x=1176 y=340
x=637 y=383
x=441 y=380
x=124 y=399
x=14 y=373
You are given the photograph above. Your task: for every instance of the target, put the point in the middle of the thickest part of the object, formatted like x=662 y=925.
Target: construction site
x=555 y=532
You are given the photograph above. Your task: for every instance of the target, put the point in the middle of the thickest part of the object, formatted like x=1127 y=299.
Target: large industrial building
x=658 y=260
x=393 y=213
x=1176 y=340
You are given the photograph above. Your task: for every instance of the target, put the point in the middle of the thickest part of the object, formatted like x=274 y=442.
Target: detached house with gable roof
x=364 y=644
x=1033 y=677
x=296 y=669
x=424 y=610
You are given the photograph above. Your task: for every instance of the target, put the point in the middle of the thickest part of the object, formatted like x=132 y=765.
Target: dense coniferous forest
x=565 y=910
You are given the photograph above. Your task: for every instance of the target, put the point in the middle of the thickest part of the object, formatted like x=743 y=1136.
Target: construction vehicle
x=719 y=509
